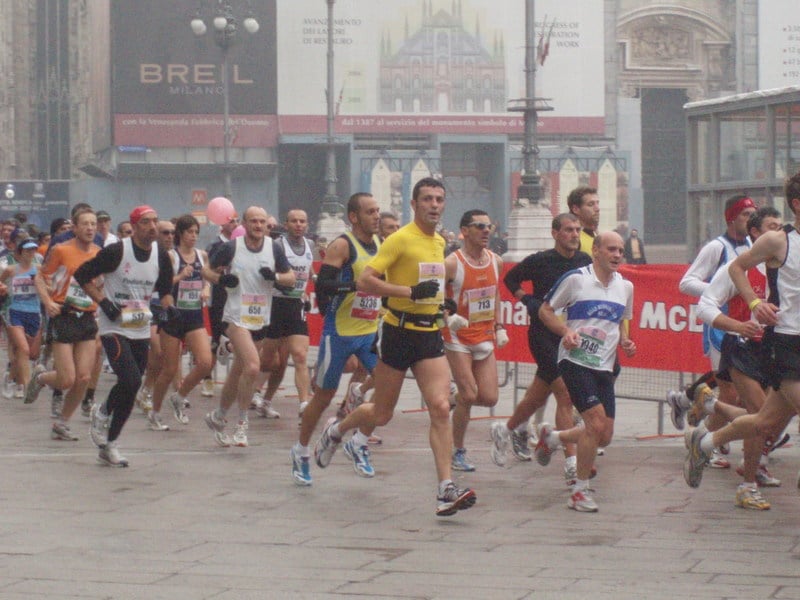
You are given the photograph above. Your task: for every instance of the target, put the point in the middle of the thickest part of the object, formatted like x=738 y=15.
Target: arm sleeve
x=105 y=261
x=695 y=281
x=164 y=282
x=716 y=294
x=222 y=254
x=328 y=281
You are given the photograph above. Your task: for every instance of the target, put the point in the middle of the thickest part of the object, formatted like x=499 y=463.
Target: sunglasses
x=482 y=226
x=167 y=232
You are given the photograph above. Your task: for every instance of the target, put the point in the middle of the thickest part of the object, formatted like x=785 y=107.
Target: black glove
x=267 y=273
x=531 y=303
x=449 y=305
x=111 y=310
x=307 y=306
x=229 y=280
x=426 y=289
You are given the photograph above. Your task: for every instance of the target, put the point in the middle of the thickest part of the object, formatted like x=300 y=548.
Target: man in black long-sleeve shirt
x=543 y=270
x=131 y=269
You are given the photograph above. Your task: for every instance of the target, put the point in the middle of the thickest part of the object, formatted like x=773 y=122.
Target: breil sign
x=198 y=74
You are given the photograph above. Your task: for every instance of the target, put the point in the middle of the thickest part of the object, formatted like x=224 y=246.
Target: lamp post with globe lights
x=224 y=25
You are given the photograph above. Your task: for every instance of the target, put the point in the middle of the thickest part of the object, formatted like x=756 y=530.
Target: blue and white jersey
x=595 y=312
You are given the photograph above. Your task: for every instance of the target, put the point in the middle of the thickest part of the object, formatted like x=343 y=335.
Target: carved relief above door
x=673 y=47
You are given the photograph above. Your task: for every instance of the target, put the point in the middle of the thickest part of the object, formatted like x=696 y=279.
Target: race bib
x=300 y=281
x=76 y=296
x=590 y=346
x=365 y=307
x=254 y=311
x=189 y=294
x=135 y=314
x=435 y=272
x=481 y=304
x=23 y=287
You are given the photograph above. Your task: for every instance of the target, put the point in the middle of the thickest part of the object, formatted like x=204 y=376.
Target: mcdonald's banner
x=664 y=325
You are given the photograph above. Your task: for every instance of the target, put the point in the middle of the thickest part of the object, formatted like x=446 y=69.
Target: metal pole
x=226 y=124
x=330 y=170
x=530 y=187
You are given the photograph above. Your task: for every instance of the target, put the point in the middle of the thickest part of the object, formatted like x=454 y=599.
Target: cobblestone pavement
x=190 y=520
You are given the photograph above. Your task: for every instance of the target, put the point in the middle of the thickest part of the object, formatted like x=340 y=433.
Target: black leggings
x=128 y=359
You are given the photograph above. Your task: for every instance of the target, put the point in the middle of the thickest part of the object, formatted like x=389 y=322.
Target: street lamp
x=224 y=24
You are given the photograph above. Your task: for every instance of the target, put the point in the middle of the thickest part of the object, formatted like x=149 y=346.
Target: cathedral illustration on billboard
x=442 y=67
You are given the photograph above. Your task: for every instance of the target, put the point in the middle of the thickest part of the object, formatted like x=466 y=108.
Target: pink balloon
x=238 y=232
x=220 y=210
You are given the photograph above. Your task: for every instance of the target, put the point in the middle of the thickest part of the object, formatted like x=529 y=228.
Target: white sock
x=359 y=439
x=571 y=461
x=707 y=443
x=553 y=440
x=302 y=450
x=580 y=485
x=522 y=427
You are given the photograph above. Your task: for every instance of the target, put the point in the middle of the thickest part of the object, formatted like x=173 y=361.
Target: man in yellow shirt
x=584 y=203
x=409 y=270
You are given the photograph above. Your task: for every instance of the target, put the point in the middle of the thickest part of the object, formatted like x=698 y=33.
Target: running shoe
x=581 y=501
x=696 y=459
x=750 y=498
x=453 y=396
x=217 y=425
x=61 y=431
x=98 y=430
x=301 y=471
x=697 y=411
x=86 y=406
x=763 y=477
x=265 y=410
x=717 y=461
x=326 y=445
x=224 y=350
x=542 y=451
x=459 y=462
x=207 y=388
x=8 y=386
x=19 y=392
x=375 y=440
x=354 y=398
x=34 y=387
x=501 y=438
x=111 y=457
x=256 y=401
x=453 y=500
x=520 y=444
x=240 y=434
x=156 y=424
x=57 y=404
x=770 y=444
x=177 y=408
x=360 y=457
x=677 y=410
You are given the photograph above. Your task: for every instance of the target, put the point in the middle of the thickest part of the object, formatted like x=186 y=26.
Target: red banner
x=664 y=326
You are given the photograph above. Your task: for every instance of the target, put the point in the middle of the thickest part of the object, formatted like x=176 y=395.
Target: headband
x=734 y=211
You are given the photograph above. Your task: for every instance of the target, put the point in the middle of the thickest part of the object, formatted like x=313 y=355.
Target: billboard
x=167 y=84
x=40 y=201
x=447 y=66
x=778 y=44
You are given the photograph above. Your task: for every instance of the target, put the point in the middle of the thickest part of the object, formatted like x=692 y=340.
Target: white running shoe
x=240 y=434
x=156 y=424
x=207 y=388
x=265 y=410
x=98 y=430
x=177 y=408
x=217 y=425
x=501 y=438
x=224 y=350
x=111 y=457
x=257 y=400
